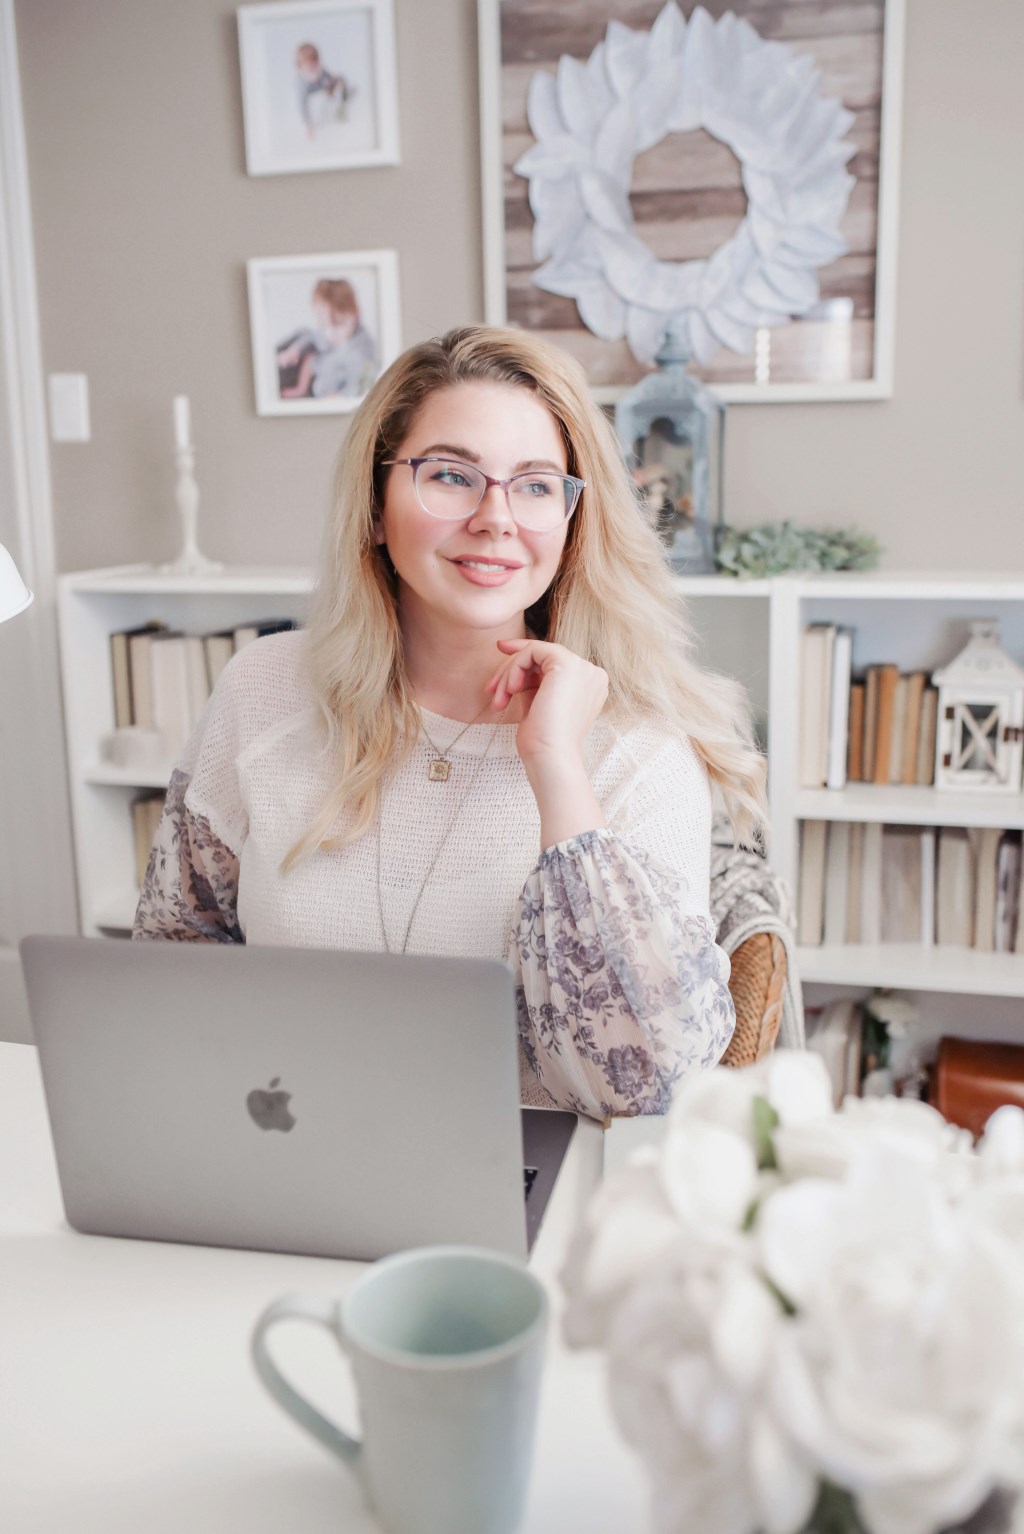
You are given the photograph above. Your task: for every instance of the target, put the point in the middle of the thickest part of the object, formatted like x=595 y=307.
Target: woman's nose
x=493 y=511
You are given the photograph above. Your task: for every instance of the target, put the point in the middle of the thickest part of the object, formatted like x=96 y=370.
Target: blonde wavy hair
x=612 y=600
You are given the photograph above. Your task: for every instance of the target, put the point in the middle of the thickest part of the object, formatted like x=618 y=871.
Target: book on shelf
x=901 y=884
x=170 y=682
x=888 y=683
x=839 y=708
x=817 y=645
x=146 y=813
x=1008 y=876
x=198 y=678
x=954 y=894
x=853 y=882
x=867 y=767
x=928 y=852
x=837 y=882
x=247 y=632
x=855 y=749
x=894 y=766
x=914 y=692
x=140 y=644
x=122 y=677
x=928 y=728
x=121 y=649
x=219 y=649
x=984 y=842
x=871 y=884
x=811 y=903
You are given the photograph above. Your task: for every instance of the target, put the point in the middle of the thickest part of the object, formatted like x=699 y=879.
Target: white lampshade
x=14 y=594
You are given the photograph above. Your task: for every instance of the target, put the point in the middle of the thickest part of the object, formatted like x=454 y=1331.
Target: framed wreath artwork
x=729 y=166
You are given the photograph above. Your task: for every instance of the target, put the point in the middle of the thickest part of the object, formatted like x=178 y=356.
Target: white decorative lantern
x=981 y=716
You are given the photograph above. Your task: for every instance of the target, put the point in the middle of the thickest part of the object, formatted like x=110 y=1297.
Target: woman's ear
x=378 y=530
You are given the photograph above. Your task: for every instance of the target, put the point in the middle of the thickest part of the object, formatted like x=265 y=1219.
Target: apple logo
x=269 y=1109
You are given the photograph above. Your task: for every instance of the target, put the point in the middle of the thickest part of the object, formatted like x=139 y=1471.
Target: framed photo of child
x=323 y=329
x=318 y=85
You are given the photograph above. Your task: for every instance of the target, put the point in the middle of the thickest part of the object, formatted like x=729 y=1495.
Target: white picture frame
x=517 y=40
x=323 y=328
x=319 y=89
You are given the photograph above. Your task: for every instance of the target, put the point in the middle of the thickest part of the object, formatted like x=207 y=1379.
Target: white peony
x=1001 y=1150
x=795 y=1083
x=894 y=1376
x=691 y=1354
x=790 y=1296
x=826 y=1147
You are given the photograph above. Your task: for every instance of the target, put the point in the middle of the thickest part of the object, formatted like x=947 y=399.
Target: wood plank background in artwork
x=687 y=195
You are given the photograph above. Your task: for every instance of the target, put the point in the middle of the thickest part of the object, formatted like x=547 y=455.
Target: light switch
x=69 y=407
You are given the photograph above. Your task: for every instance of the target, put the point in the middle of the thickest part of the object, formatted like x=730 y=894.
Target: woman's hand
x=562 y=697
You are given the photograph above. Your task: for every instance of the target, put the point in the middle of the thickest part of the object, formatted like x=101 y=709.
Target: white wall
x=144 y=218
x=937 y=472
x=36 y=881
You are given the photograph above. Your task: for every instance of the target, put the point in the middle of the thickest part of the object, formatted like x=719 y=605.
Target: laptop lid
x=284 y=1099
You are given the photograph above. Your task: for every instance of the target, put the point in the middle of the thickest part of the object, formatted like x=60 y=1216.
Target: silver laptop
x=287 y=1099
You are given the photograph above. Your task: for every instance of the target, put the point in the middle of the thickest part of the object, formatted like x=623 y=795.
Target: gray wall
x=144 y=218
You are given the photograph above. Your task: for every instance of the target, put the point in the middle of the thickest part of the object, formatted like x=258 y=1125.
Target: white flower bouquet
x=813 y=1319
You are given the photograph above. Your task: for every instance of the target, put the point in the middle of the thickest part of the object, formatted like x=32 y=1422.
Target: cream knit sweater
x=609 y=934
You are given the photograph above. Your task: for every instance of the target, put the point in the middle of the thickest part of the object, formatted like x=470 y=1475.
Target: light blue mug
x=446 y=1345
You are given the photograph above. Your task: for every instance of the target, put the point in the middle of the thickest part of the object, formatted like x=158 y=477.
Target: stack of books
x=163 y=678
x=874 y=727
x=867 y=883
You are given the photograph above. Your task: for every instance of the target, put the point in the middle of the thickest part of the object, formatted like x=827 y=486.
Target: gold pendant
x=439 y=770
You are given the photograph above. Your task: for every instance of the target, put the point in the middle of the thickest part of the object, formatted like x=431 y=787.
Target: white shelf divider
x=128 y=777
x=906 y=805
x=911 y=967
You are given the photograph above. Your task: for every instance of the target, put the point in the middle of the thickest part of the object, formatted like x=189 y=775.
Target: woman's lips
x=482 y=572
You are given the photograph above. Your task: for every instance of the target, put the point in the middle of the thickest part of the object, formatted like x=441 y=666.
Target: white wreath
x=763 y=100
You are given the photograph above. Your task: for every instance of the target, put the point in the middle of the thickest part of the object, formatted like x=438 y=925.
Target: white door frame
x=36 y=860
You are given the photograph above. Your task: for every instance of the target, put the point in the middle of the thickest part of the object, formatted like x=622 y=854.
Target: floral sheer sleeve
x=190 y=893
x=621 y=992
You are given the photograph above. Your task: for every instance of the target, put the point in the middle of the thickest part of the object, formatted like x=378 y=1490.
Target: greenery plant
x=775 y=548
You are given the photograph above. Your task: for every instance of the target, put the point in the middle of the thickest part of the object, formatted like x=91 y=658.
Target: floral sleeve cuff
x=190 y=893
x=622 y=992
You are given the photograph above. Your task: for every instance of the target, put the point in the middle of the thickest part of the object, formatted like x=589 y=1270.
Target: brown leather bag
x=972 y=1078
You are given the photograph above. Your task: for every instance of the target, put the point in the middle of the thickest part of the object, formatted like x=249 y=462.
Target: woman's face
x=502 y=430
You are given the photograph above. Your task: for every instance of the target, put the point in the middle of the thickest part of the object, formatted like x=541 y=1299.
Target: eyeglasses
x=452 y=491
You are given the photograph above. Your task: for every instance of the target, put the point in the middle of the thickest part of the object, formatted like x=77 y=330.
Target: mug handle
x=323 y=1312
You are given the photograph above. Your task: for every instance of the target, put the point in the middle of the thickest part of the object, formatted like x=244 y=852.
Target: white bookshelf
x=748 y=629
x=91 y=605
x=920 y=622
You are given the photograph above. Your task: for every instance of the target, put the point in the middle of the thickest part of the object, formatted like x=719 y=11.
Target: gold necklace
x=444 y=837
x=439 y=770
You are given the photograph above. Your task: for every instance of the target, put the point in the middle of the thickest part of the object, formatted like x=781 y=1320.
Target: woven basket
x=757 y=982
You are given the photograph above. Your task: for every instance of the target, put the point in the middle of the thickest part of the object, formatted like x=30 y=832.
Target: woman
x=490 y=741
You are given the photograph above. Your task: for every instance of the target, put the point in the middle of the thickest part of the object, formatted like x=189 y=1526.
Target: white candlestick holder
x=190 y=561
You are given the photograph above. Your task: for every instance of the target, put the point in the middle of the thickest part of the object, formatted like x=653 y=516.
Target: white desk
x=128 y=1402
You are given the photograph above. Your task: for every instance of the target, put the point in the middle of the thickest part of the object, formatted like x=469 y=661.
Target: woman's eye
x=536 y=487
x=450 y=476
